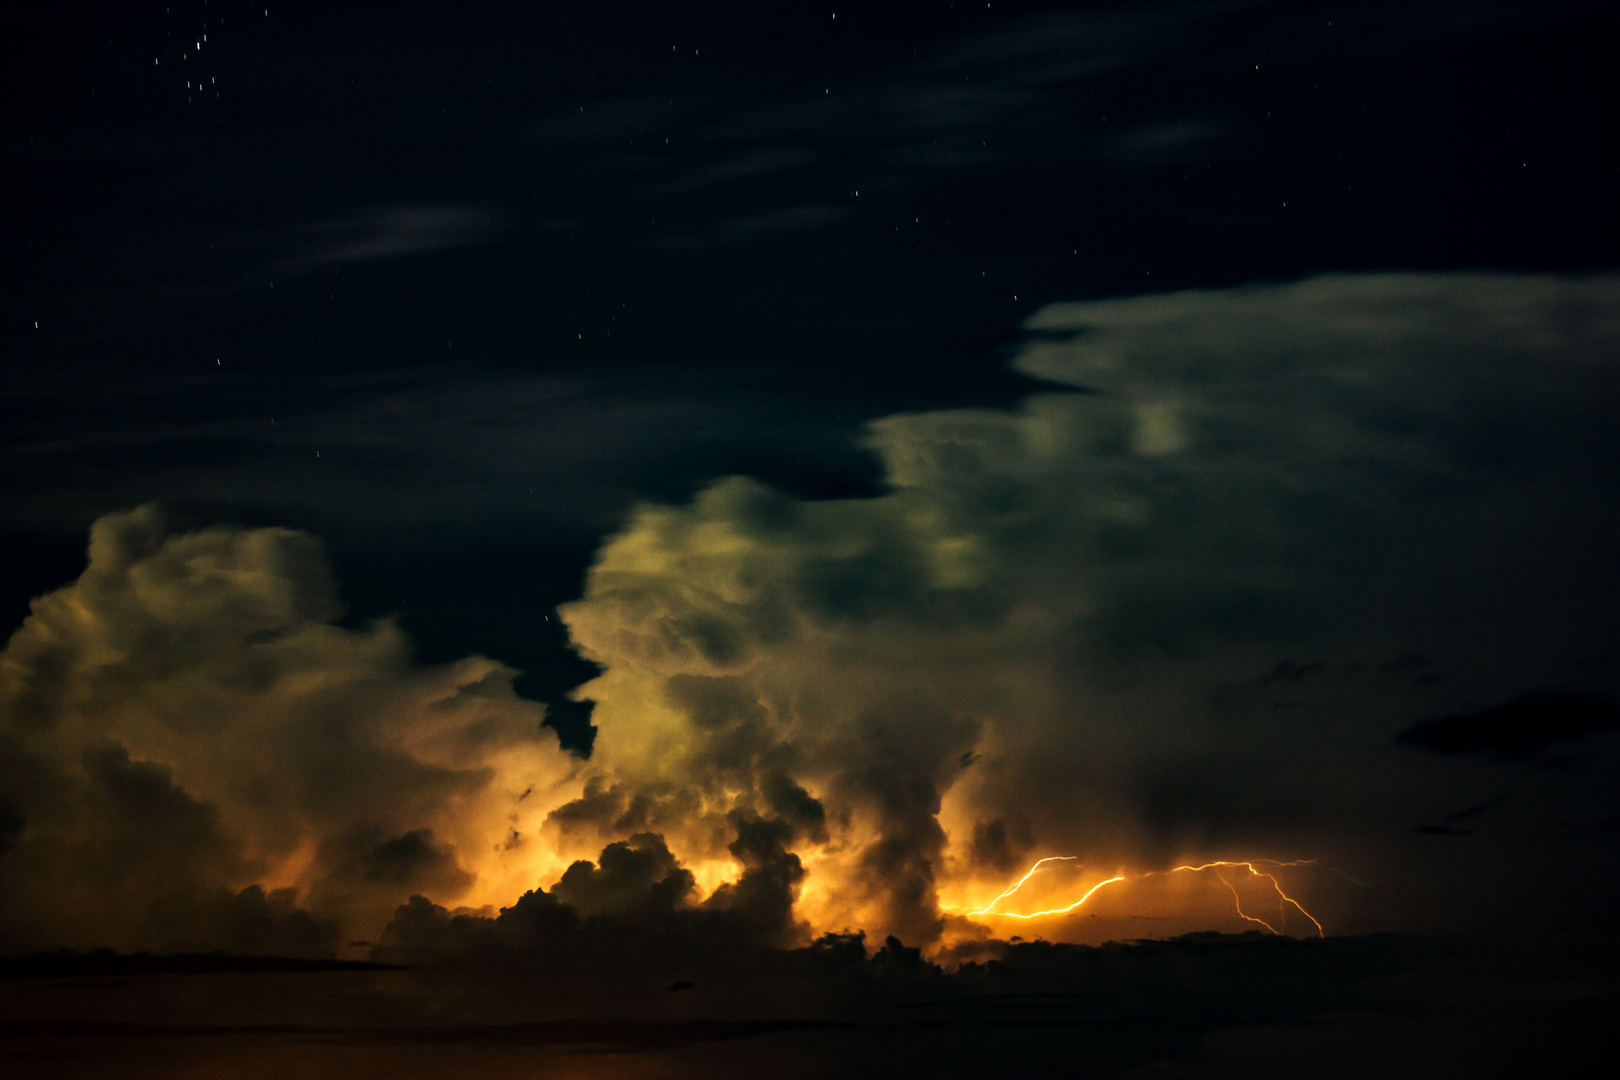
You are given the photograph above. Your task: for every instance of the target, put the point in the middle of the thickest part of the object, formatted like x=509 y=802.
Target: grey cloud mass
x=185 y=722
x=1081 y=598
x=1144 y=618
x=930 y=539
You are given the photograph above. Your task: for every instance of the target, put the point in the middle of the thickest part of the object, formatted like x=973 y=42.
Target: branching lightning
x=1237 y=903
x=1215 y=867
x=1054 y=911
x=989 y=909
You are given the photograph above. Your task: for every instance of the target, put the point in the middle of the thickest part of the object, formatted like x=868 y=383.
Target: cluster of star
x=187 y=46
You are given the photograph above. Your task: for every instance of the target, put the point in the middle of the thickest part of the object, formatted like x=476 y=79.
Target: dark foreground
x=1205 y=1006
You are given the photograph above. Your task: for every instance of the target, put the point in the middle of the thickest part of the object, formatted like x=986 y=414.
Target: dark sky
x=808 y=463
x=510 y=269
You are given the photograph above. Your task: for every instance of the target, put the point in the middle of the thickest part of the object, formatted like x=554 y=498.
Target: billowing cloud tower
x=1173 y=609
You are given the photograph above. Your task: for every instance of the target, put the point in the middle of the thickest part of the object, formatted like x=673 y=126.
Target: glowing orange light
x=988 y=909
x=1054 y=911
x=1215 y=867
x=1256 y=873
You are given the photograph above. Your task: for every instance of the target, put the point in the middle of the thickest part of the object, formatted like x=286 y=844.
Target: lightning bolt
x=1215 y=867
x=1249 y=866
x=1054 y=911
x=1237 y=902
x=989 y=909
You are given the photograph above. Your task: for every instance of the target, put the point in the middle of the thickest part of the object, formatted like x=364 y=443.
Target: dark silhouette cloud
x=107 y=839
x=1001 y=844
x=411 y=860
x=638 y=877
x=762 y=897
x=1516 y=730
x=592 y=813
x=250 y=922
x=635 y=903
x=795 y=806
x=364 y=869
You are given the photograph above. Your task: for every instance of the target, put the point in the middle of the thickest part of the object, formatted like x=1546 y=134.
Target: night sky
x=529 y=529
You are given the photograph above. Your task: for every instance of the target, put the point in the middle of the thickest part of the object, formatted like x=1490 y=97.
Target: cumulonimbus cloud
x=187 y=721
x=1147 y=616
x=1052 y=633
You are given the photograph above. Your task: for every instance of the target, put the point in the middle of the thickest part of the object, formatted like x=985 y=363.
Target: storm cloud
x=1518 y=729
x=1141 y=620
x=1072 y=613
x=189 y=740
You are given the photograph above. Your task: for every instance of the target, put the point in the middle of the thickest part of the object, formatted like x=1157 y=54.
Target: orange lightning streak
x=1054 y=911
x=989 y=909
x=1249 y=866
x=1238 y=903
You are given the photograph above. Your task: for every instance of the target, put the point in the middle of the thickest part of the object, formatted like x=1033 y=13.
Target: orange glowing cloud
x=1085 y=625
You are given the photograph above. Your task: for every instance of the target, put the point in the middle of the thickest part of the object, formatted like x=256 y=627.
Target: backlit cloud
x=1053 y=634
x=1173 y=611
x=186 y=720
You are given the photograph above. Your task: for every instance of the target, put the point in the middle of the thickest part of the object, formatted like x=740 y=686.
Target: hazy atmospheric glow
x=852 y=713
